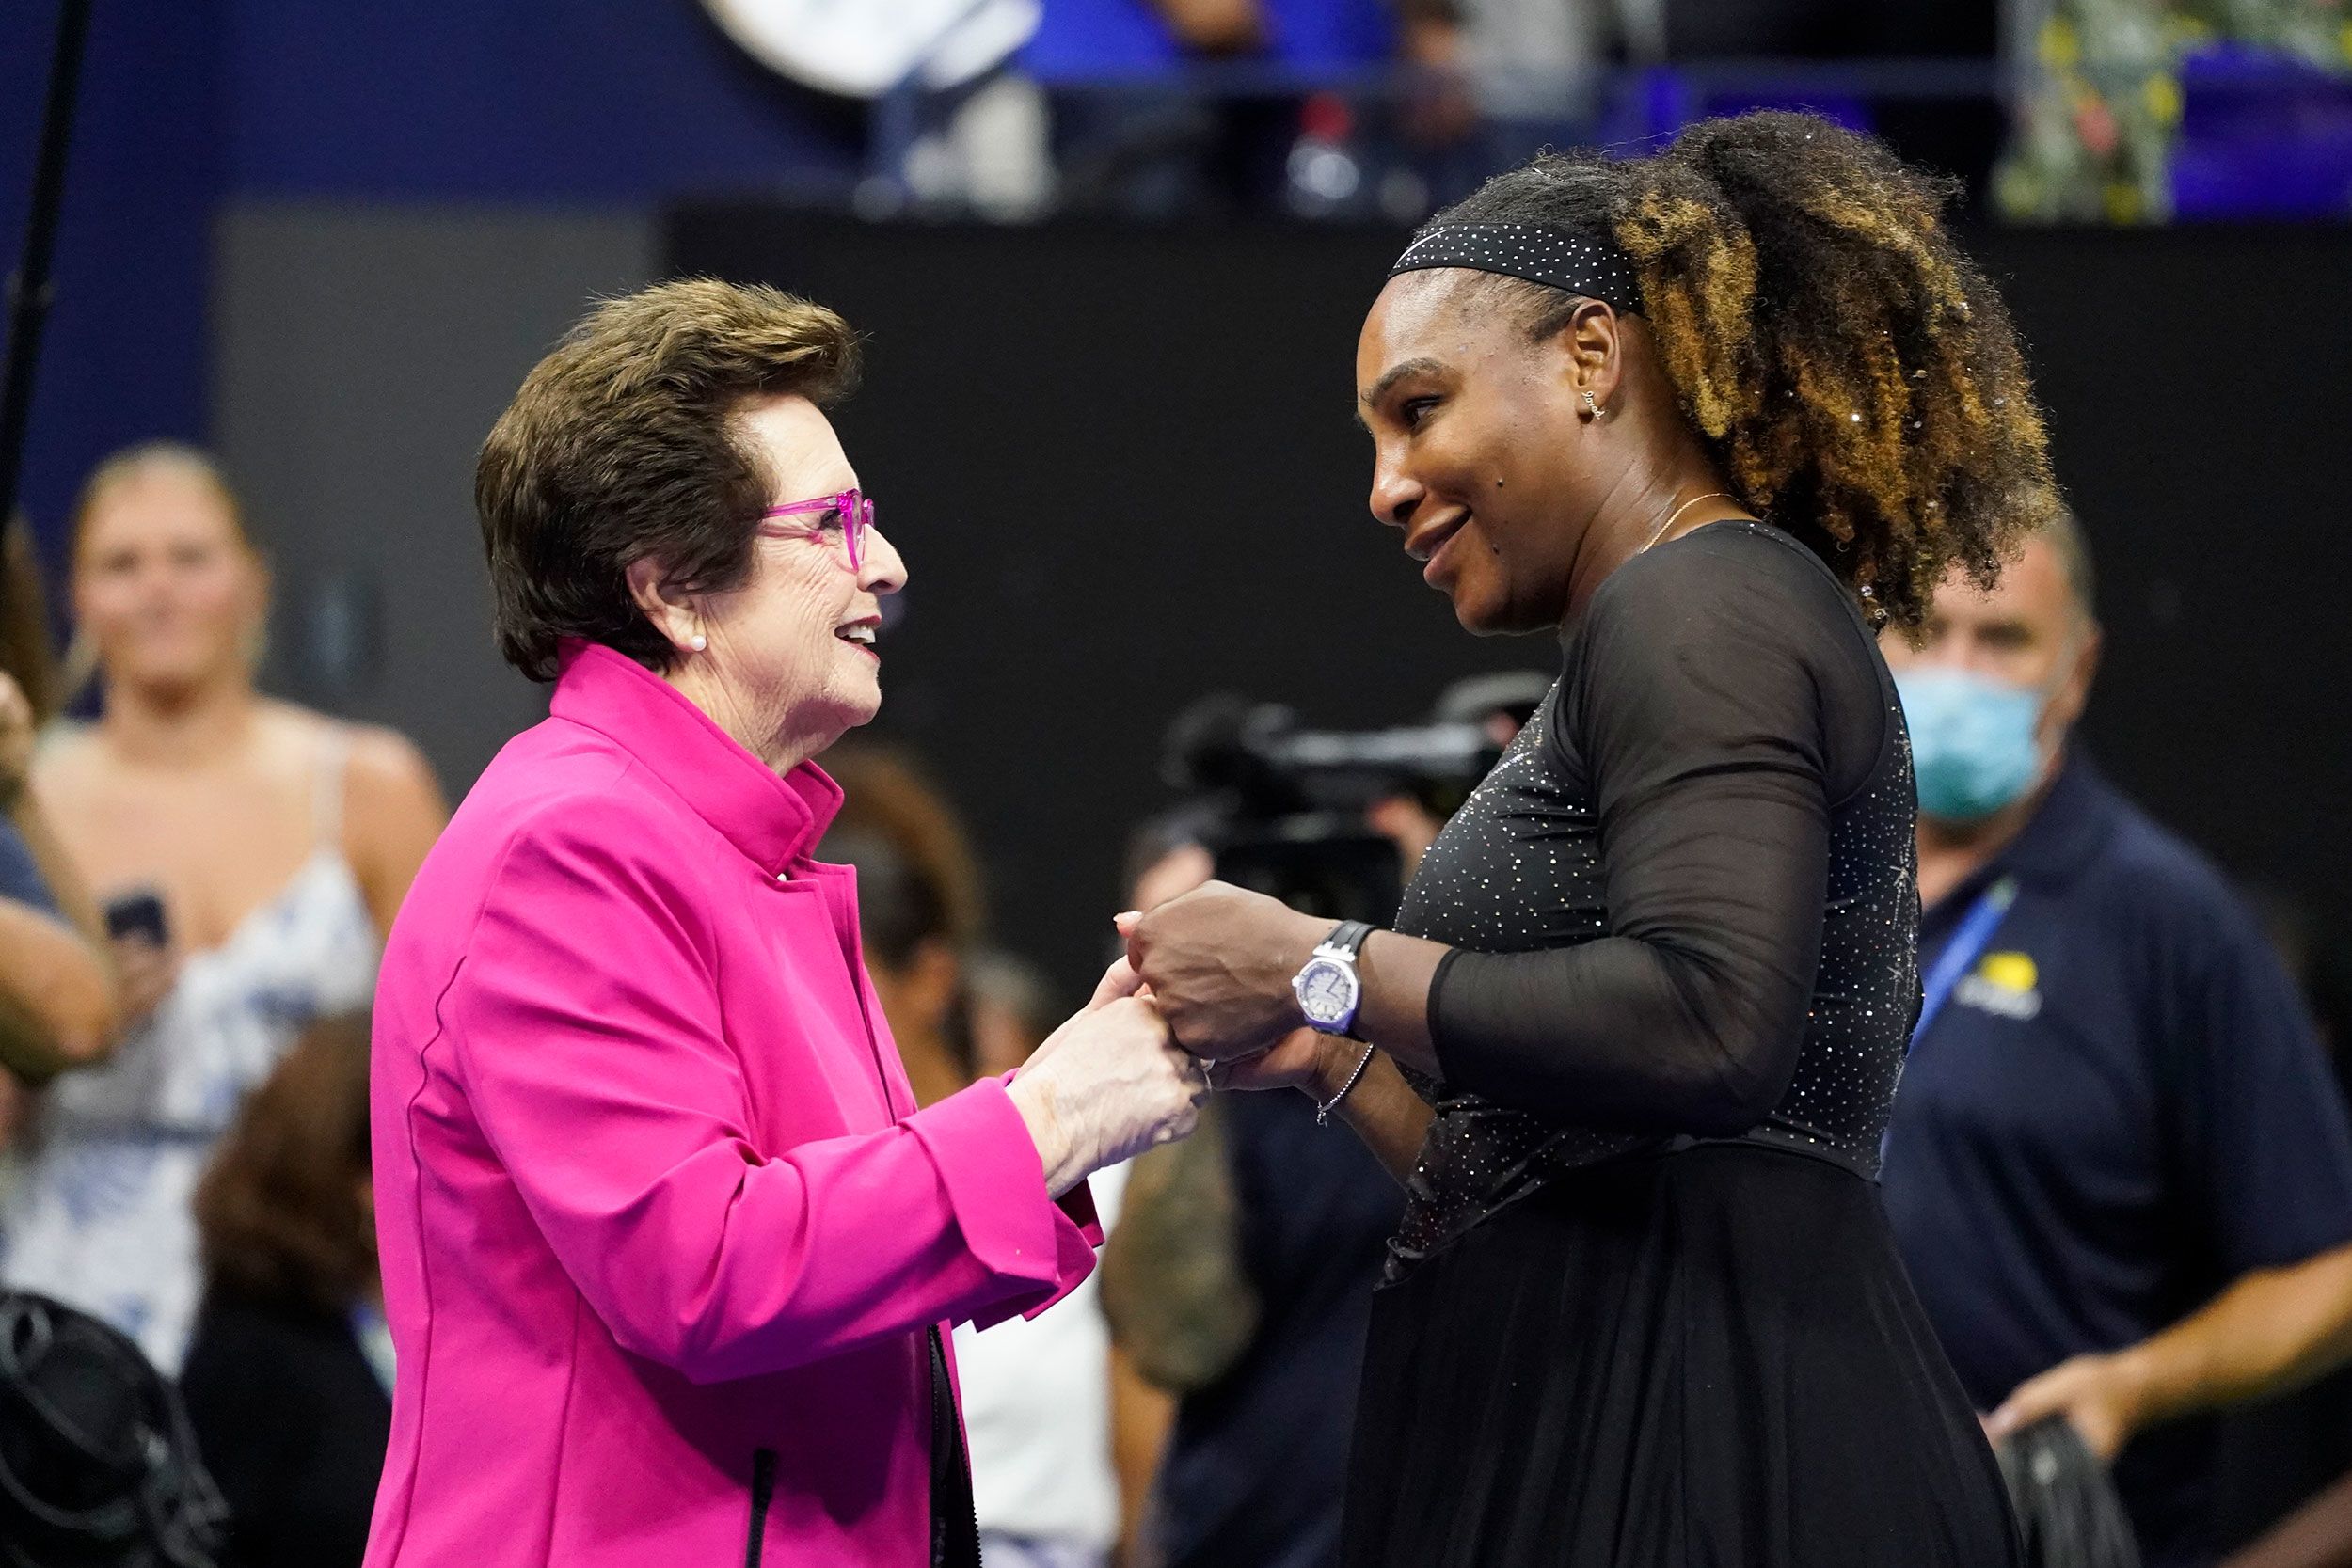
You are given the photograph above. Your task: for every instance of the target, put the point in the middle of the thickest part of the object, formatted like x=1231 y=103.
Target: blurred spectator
x=920 y=907
x=1009 y=1007
x=58 y=1000
x=289 y=1380
x=1527 y=62
x=261 y=849
x=1950 y=133
x=1036 y=1391
x=2280 y=1453
x=1500 y=704
x=2118 y=1168
x=2317 y=1535
x=1381 y=109
x=1041 y=1396
x=1240 y=1281
x=1136 y=137
x=1169 y=856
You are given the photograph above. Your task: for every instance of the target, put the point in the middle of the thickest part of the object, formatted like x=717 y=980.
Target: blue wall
x=524 y=100
x=187 y=104
x=123 y=357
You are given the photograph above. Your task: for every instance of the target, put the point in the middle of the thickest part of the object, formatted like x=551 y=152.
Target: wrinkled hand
x=2098 y=1395
x=1219 y=962
x=1301 y=1059
x=16 y=739
x=1106 y=1086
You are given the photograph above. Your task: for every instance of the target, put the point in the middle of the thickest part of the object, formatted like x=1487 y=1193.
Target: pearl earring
x=698 y=642
x=1591 y=406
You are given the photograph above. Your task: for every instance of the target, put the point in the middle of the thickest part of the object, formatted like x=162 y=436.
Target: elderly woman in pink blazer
x=667 y=1246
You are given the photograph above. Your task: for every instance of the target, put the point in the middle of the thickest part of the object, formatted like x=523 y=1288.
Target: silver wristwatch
x=1327 y=986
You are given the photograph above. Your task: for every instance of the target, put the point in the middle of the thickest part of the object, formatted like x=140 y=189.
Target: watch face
x=1326 y=991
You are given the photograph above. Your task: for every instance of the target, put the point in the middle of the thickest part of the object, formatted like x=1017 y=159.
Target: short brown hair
x=280 y=1210
x=622 y=446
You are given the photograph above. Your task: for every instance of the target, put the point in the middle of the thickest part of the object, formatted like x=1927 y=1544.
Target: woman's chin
x=1478 y=615
x=169 y=679
x=858 y=706
x=1494 y=614
x=1474 y=591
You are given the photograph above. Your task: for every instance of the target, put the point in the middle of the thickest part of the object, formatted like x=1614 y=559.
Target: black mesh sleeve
x=1706 y=681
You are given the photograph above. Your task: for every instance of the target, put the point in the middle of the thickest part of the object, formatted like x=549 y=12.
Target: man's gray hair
x=2064 y=530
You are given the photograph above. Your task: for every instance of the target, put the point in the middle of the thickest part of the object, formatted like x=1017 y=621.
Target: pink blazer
x=662 y=1231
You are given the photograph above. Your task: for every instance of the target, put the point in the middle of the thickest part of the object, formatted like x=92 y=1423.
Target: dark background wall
x=362 y=354
x=124 y=353
x=1122 y=468
x=190 y=108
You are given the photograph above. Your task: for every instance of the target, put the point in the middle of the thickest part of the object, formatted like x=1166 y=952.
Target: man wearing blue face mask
x=2118 y=1168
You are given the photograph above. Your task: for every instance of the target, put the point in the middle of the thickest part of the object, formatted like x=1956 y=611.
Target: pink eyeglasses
x=851 y=510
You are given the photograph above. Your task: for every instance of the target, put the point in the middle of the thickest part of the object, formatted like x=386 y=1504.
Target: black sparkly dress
x=1644 y=1309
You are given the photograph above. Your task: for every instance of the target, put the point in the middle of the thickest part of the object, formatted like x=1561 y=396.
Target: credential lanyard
x=1960 y=953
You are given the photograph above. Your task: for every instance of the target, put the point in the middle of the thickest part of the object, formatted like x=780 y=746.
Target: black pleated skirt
x=1710 y=1357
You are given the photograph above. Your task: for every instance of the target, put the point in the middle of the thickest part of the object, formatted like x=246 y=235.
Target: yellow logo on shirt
x=2008 y=971
x=2003 y=984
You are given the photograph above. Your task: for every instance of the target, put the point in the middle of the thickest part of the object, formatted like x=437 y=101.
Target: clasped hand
x=1107 y=1084
x=1220 y=961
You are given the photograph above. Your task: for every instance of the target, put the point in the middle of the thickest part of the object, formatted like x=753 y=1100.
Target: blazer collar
x=774 y=820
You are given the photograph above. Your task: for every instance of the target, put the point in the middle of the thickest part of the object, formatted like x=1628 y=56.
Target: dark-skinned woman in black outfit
x=1713 y=415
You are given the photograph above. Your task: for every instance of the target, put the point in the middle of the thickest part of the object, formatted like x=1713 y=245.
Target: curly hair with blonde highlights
x=1853 y=372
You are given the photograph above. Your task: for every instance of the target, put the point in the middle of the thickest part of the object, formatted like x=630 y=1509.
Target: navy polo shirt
x=2121 y=1108
x=20 y=878
x=1256 y=1468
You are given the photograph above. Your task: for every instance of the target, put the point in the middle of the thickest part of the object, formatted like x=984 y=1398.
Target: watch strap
x=1346 y=941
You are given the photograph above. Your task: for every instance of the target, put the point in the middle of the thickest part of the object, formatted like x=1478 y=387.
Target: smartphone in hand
x=138 y=914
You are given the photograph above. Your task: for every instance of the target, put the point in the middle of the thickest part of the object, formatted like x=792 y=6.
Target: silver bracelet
x=1324 y=1110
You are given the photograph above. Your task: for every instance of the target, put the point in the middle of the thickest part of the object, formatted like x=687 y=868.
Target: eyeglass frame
x=857 y=514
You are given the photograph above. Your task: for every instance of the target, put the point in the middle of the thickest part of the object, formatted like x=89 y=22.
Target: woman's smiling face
x=165 y=583
x=1476 y=441
x=790 y=651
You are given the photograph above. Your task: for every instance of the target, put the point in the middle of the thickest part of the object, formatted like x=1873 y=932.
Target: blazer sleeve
x=585 y=1024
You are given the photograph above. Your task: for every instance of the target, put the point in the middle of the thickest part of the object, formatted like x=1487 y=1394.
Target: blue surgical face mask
x=1972 y=740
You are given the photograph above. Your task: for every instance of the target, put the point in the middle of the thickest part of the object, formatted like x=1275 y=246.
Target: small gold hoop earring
x=1591 y=406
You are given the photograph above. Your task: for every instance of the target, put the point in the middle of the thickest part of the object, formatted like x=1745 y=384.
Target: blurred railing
x=2199 y=130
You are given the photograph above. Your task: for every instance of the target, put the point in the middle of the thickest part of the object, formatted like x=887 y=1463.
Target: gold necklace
x=1663 y=528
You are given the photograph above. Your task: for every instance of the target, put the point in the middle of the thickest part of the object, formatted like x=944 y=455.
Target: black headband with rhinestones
x=1540 y=253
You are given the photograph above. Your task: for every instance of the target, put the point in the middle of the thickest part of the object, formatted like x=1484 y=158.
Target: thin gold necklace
x=1663 y=527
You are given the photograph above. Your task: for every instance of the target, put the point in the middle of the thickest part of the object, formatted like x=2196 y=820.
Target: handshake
x=1202 y=1000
